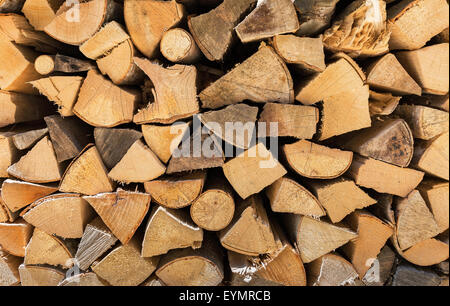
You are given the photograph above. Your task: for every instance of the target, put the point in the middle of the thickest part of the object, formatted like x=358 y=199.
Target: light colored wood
x=9 y=269
x=331 y=270
x=263 y=77
x=178 y=46
x=431 y=156
x=317 y=161
x=428 y=66
x=253 y=170
x=138 y=165
x=436 y=195
x=14 y=237
x=17 y=194
x=40 y=276
x=382 y=103
x=40 y=12
x=8 y=6
x=27 y=139
x=384 y=177
x=297 y=121
x=340 y=197
x=122 y=211
x=176 y=191
x=63 y=214
x=147 y=21
x=288 y=196
x=169 y=229
x=6 y=215
x=100 y=96
x=83 y=280
x=8 y=152
x=315 y=15
x=86 y=174
x=124 y=266
x=153 y=281
x=46 y=64
x=427 y=252
x=380 y=271
x=414 y=22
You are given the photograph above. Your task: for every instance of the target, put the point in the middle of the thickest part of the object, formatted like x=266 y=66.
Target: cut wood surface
x=381 y=269
x=40 y=276
x=27 y=139
x=382 y=103
x=7 y=215
x=8 y=152
x=40 y=12
x=436 y=195
x=178 y=46
x=14 y=237
x=438 y=102
x=46 y=64
x=9 y=269
x=83 y=280
x=331 y=270
x=17 y=194
x=409 y=275
x=315 y=15
x=432 y=156
x=427 y=252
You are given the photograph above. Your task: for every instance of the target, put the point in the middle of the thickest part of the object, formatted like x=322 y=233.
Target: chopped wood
x=438 y=102
x=8 y=152
x=436 y=195
x=409 y=275
x=9 y=269
x=380 y=271
x=331 y=270
x=40 y=12
x=427 y=252
x=27 y=139
x=8 y=6
x=7 y=215
x=46 y=64
x=40 y=276
x=83 y=280
x=382 y=103
x=178 y=46
x=17 y=194
x=315 y=15
x=153 y=281
x=14 y=237
x=431 y=156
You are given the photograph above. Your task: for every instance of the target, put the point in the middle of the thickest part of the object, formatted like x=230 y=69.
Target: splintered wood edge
x=342 y=55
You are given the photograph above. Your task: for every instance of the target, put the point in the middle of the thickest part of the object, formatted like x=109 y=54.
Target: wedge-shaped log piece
x=389 y=140
x=27 y=139
x=14 y=237
x=83 y=280
x=163 y=140
x=426 y=253
x=431 y=156
x=316 y=161
x=147 y=21
x=6 y=215
x=50 y=214
x=213 y=31
x=169 y=229
x=269 y=18
x=234 y=124
x=122 y=211
x=384 y=177
x=45 y=249
x=380 y=271
x=61 y=90
x=297 y=121
x=178 y=46
x=8 y=152
x=39 y=165
x=175 y=93
x=387 y=74
x=124 y=266
x=253 y=170
x=331 y=270
x=360 y=30
x=340 y=197
x=40 y=12
x=188 y=267
x=382 y=103
x=425 y=122
x=414 y=22
x=288 y=196
x=18 y=194
x=409 y=275
x=153 y=281
x=316 y=238
x=9 y=269
x=438 y=102
x=372 y=236
x=86 y=174
x=46 y=64
x=9 y=6
x=103 y=104
x=138 y=165
x=40 y=276
x=315 y=15
x=176 y=191
x=263 y=77
x=96 y=240
x=250 y=232
x=436 y=195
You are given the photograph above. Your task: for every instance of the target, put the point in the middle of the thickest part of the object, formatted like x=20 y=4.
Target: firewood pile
x=224 y=142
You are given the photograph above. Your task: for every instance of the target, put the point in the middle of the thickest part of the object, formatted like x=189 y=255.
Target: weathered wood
x=17 y=194
x=331 y=270
x=409 y=275
x=29 y=138
x=14 y=237
x=46 y=64
x=315 y=15
x=9 y=269
x=40 y=276
x=380 y=271
x=431 y=156
x=8 y=6
x=178 y=46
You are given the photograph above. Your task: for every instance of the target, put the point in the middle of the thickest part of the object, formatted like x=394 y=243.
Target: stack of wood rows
x=98 y=95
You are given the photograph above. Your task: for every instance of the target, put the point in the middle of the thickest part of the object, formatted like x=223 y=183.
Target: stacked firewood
x=224 y=142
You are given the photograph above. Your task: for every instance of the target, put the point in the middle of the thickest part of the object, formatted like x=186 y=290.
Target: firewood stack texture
x=224 y=142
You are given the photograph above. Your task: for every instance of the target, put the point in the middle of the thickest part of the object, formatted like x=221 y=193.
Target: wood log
x=331 y=270
x=153 y=281
x=83 y=280
x=27 y=139
x=426 y=253
x=40 y=276
x=178 y=46
x=176 y=191
x=409 y=275
x=438 y=102
x=179 y=232
x=431 y=156
x=17 y=194
x=382 y=103
x=408 y=16
x=436 y=194
x=7 y=215
x=8 y=153
x=315 y=15
x=40 y=12
x=380 y=271
x=9 y=269
x=9 y=6
x=14 y=237
x=46 y=64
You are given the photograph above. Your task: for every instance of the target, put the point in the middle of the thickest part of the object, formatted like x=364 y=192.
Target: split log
x=268 y=19
x=49 y=214
x=8 y=152
x=263 y=77
x=83 y=280
x=438 y=102
x=177 y=191
x=122 y=211
x=46 y=64
x=414 y=22
x=253 y=170
x=288 y=196
x=153 y=281
x=178 y=46
x=427 y=252
x=18 y=194
x=387 y=74
x=409 y=275
x=315 y=15
x=27 y=139
x=340 y=197
x=436 y=195
x=175 y=93
x=297 y=121
x=9 y=269
x=100 y=96
x=41 y=12
x=6 y=215
x=331 y=270
x=40 y=276
x=169 y=229
x=138 y=165
x=380 y=271
x=86 y=174
x=432 y=156
x=442 y=37
x=382 y=103
x=147 y=21
x=425 y=122
x=96 y=240
x=124 y=266
x=384 y=177
x=9 y=6
x=14 y=237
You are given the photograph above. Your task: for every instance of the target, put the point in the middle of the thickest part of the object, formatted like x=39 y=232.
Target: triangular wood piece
x=138 y=165
x=263 y=77
x=40 y=276
x=39 y=13
x=316 y=238
x=50 y=215
x=169 y=229
x=39 y=165
x=86 y=174
x=88 y=279
x=269 y=18
x=386 y=73
x=436 y=195
x=47 y=249
x=312 y=22
x=287 y=196
x=9 y=269
x=122 y=211
x=331 y=270
x=10 y=154
x=28 y=139
x=432 y=156
x=14 y=237
x=426 y=253
x=382 y=103
x=380 y=271
x=175 y=93
x=250 y=232
x=17 y=194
